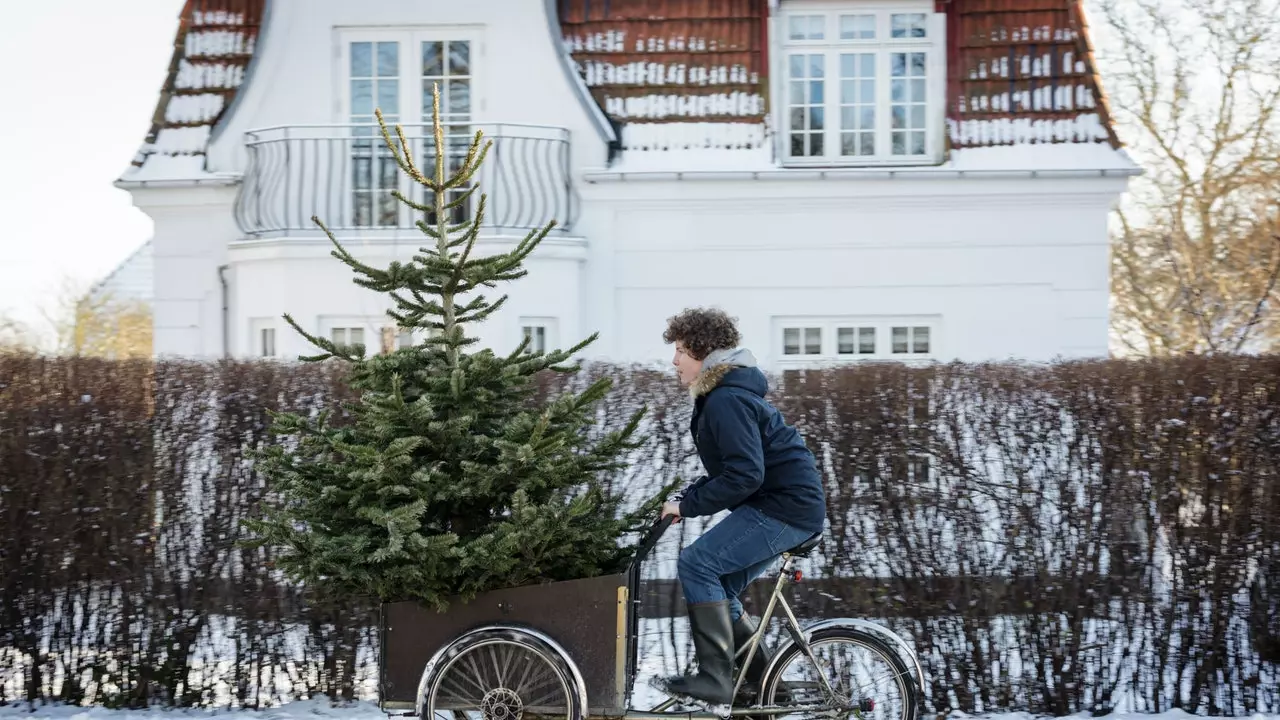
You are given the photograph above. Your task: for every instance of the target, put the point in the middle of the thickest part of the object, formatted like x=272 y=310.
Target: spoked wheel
x=852 y=674
x=503 y=674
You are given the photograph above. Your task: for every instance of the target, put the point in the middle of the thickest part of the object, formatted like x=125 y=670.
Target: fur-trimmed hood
x=719 y=364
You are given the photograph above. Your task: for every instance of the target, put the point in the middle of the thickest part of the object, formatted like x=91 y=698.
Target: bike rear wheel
x=869 y=679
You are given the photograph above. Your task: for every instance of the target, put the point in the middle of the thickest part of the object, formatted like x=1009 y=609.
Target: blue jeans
x=724 y=560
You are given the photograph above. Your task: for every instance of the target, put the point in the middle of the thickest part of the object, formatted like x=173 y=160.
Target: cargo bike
x=569 y=650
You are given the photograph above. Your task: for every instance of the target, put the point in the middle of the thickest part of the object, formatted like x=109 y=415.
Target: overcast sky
x=80 y=84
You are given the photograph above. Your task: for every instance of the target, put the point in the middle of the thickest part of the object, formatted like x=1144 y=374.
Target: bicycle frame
x=777 y=599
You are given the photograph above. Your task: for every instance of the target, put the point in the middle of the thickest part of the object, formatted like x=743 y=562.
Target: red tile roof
x=1019 y=71
x=213 y=47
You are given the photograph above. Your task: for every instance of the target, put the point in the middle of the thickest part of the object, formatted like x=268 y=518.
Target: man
x=759 y=468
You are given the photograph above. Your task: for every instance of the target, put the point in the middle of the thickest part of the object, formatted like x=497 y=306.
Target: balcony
x=344 y=174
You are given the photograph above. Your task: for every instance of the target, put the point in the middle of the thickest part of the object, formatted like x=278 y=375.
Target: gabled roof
x=1019 y=71
x=694 y=74
x=212 y=49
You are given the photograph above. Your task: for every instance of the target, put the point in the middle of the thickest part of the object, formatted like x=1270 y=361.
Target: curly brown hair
x=702 y=330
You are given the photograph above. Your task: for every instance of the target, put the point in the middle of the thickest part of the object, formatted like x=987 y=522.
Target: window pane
x=361 y=97
x=389 y=98
x=815 y=145
x=920 y=340
x=338 y=336
x=898 y=116
x=791 y=341
x=907 y=25
x=388 y=59
x=817 y=27
x=363 y=209
x=459 y=57
x=797 y=145
x=909 y=109
x=816 y=63
x=815 y=93
x=844 y=341
x=361 y=60
x=816 y=119
x=796 y=66
x=899 y=340
x=857 y=110
x=812 y=341
x=868 y=143
x=459 y=97
x=805 y=27
x=867 y=340
x=405 y=338
x=917 y=91
x=797 y=93
x=357 y=336
x=857 y=27
x=898 y=90
x=432 y=60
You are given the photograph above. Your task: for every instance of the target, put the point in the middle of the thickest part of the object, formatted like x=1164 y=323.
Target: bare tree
x=85 y=323
x=15 y=336
x=1195 y=85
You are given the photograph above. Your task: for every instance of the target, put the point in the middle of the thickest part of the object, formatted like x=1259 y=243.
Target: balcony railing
x=344 y=174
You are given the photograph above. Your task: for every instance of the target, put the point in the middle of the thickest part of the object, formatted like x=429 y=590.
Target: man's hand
x=672 y=509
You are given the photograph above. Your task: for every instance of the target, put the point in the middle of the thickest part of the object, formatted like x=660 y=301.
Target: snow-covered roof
x=130 y=281
x=213 y=47
x=693 y=75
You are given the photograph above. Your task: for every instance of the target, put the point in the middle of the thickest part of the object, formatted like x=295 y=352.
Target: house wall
x=998 y=268
x=298 y=79
x=189 y=244
x=1001 y=269
x=299 y=277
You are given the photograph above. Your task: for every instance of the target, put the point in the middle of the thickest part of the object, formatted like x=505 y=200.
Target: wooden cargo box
x=593 y=619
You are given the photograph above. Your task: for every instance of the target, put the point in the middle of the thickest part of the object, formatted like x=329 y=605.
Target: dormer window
x=860 y=82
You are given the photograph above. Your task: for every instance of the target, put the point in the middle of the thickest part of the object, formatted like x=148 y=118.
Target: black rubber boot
x=713 y=642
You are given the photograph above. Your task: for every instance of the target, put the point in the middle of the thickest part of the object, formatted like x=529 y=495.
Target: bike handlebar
x=652 y=537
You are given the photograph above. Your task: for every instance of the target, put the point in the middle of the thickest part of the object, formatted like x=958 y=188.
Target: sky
x=80 y=84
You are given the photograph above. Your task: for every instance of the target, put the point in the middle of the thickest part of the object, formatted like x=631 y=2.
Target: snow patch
x=192 y=76
x=741 y=104
x=182 y=140
x=193 y=108
x=215 y=43
x=159 y=167
x=1041 y=156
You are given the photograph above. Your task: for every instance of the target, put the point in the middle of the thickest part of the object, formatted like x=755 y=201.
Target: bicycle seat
x=805 y=547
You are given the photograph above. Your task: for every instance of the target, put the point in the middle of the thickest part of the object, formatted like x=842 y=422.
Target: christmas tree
x=445 y=478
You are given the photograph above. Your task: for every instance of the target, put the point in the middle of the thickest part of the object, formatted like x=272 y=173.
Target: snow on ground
x=320 y=709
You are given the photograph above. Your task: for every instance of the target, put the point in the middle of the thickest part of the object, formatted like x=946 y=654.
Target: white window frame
x=831 y=46
x=830 y=328
x=259 y=328
x=371 y=325
x=551 y=331
x=414 y=100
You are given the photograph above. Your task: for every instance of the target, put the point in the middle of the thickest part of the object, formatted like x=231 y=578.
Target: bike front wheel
x=851 y=674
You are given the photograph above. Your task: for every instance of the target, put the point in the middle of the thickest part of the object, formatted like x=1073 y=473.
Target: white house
x=852 y=179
